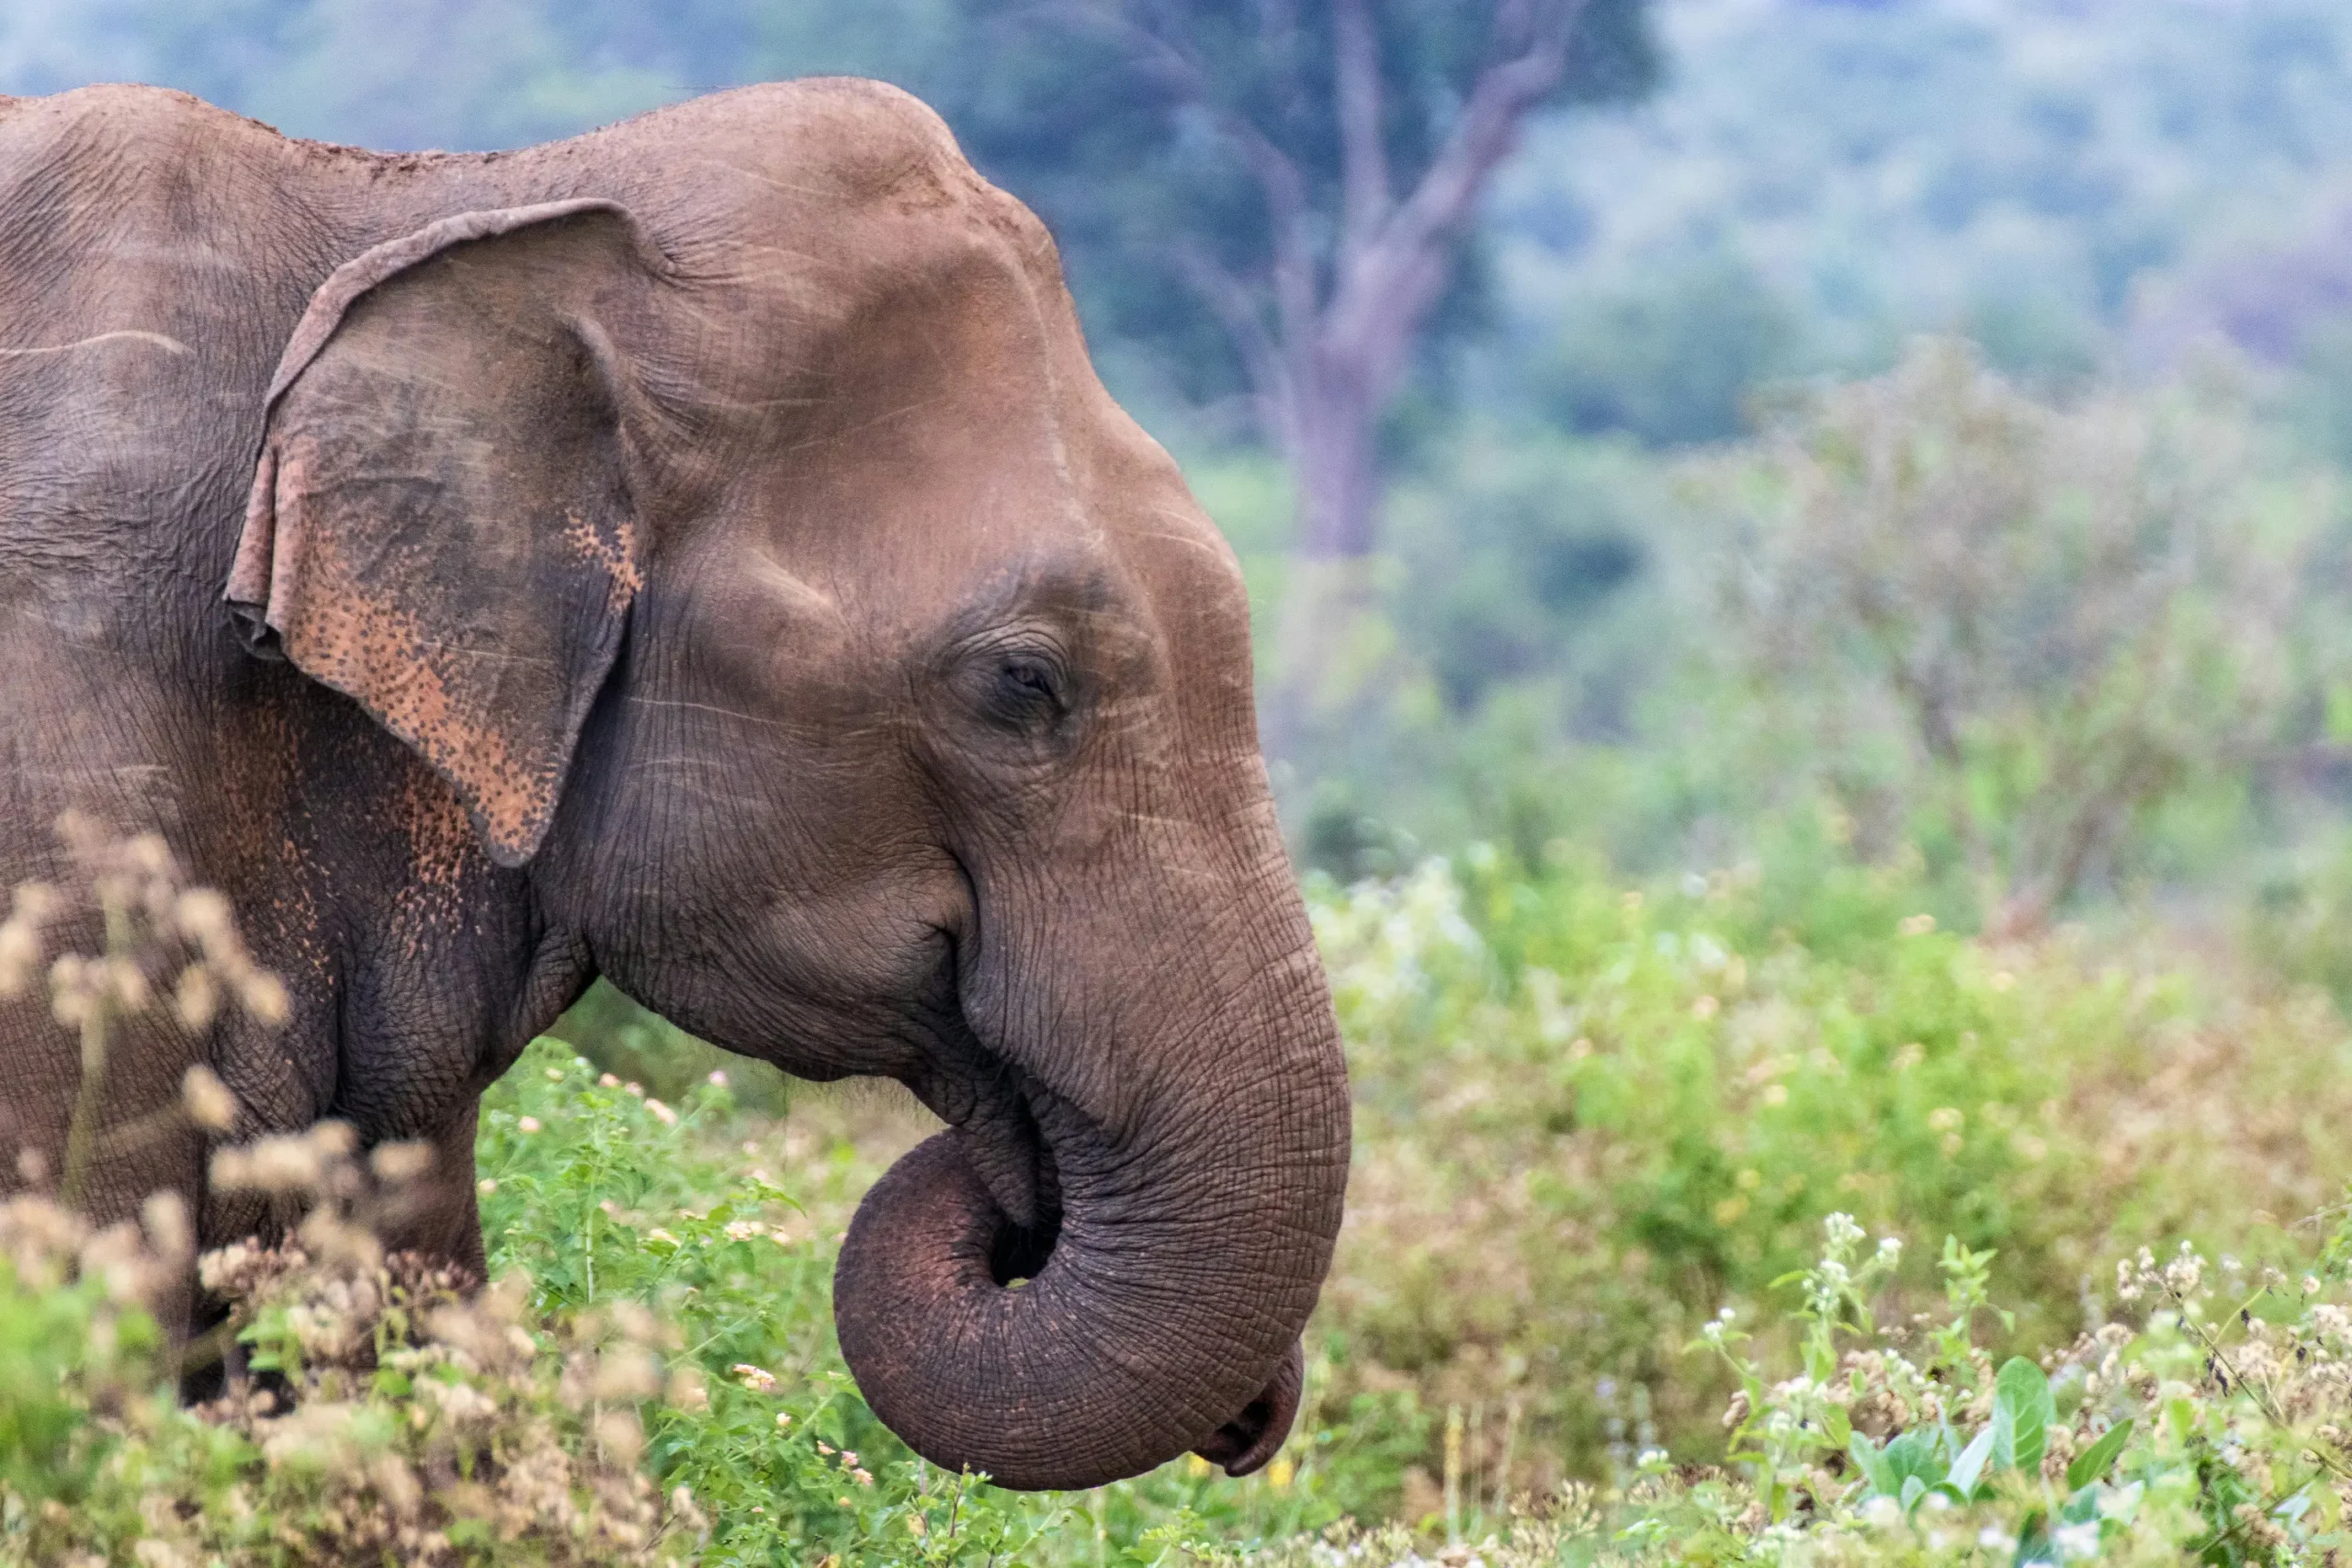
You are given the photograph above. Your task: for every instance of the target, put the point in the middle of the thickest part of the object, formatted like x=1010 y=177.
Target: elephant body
x=696 y=553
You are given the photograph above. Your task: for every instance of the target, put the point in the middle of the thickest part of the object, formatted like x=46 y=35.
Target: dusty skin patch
x=616 y=556
x=339 y=630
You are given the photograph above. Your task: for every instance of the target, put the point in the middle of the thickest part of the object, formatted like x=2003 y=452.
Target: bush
x=2203 y=1423
x=1672 y=358
x=2012 y=632
x=1589 y=1118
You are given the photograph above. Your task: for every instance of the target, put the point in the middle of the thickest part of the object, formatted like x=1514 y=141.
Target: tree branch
x=1363 y=157
x=1237 y=309
x=1384 y=289
x=1289 y=204
x=1290 y=216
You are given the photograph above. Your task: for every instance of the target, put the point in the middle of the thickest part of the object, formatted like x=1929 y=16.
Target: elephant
x=698 y=554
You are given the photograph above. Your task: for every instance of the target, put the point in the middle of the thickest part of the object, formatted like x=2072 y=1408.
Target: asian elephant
x=700 y=554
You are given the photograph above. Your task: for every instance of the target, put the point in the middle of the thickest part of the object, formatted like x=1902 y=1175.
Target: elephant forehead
x=803 y=149
x=902 y=353
x=890 y=387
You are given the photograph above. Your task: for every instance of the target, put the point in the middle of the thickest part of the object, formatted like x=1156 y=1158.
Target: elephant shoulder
x=147 y=280
x=120 y=129
x=124 y=190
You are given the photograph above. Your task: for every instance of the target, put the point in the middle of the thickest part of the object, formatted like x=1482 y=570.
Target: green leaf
x=1913 y=1456
x=2092 y=1463
x=2022 y=1412
x=1970 y=1465
x=1840 y=1426
x=1871 y=1461
x=2034 y=1545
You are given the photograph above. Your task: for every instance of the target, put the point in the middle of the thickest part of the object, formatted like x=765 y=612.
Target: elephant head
x=743 y=535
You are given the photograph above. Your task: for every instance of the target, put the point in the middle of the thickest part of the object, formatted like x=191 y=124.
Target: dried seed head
x=263 y=996
x=126 y=985
x=207 y=1100
x=396 y=1164
x=396 y=1485
x=148 y=853
x=165 y=1215
x=276 y=1164
x=626 y=1373
x=333 y=1140
x=633 y=1323
x=20 y=946
x=197 y=1000
x=621 y=1435
x=203 y=916
x=35 y=903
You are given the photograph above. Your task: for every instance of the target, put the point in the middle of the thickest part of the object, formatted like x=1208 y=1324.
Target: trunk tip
x=1253 y=1438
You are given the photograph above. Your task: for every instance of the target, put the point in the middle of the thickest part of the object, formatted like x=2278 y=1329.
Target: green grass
x=599 y=1194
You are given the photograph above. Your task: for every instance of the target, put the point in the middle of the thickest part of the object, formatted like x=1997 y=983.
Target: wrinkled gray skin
x=698 y=553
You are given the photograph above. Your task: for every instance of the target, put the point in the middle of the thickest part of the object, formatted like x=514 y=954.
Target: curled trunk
x=1157 y=1311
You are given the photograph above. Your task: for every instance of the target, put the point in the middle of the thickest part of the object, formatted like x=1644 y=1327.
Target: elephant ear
x=441 y=525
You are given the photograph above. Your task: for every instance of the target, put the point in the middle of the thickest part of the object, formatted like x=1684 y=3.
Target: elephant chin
x=1048 y=1359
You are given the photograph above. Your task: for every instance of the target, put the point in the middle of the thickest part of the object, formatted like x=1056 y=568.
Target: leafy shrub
x=382 y=1412
x=1671 y=358
x=2204 y=1422
x=2011 y=631
x=397 y=1416
x=1589 y=1119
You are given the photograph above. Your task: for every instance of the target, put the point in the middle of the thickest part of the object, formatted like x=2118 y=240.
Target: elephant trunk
x=1158 y=1309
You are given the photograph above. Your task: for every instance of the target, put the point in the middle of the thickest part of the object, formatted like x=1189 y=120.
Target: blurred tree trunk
x=1334 y=351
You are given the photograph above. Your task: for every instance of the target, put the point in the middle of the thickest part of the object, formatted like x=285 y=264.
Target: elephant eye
x=1028 y=694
